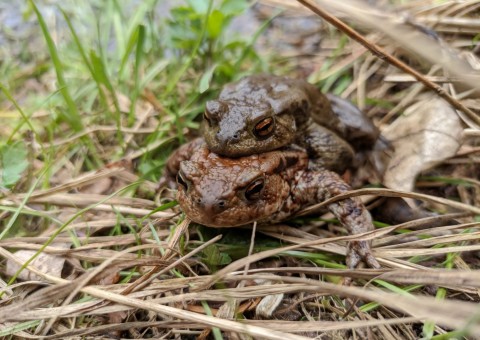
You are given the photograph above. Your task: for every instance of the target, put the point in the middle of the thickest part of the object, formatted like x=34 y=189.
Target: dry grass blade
x=438 y=240
x=233 y=326
x=82 y=200
x=5 y=315
x=95 y=260
x=438 y=277
x=424 y=252
x=325 y=326
x=285 y=326
x=390 y=241
x=104 y=329
x=417 y=306
x=357 y=11
x=42 y=297
x=393 y=193
x=95 y=129
x=268 y=253
x=84 y=179
x=157 y=271
x=83 y=280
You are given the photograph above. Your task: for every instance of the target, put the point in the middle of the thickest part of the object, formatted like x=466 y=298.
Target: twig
x=384 y=55
x=384 y=192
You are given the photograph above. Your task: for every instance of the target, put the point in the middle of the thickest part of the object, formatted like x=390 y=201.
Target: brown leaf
x=428 y=133
x=46 y=263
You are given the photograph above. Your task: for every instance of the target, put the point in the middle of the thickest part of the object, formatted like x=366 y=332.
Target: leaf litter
x=427 y=133
x=151 y=278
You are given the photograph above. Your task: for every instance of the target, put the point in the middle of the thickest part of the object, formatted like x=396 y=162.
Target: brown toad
x=269 y=187
x=263 y=112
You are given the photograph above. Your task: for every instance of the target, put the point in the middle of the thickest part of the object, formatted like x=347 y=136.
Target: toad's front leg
x=314 y=186
x=326 y=150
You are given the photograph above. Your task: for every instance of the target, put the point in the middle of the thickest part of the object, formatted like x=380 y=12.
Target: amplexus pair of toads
x=271 y=147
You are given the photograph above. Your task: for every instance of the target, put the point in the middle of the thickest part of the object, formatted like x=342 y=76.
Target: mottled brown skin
x=183 y=153
x=358 y=129
x=269 y=187
x=264 y=112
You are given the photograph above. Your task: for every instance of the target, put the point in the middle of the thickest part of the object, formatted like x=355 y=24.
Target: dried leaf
x=428 y=133
x=46 y=263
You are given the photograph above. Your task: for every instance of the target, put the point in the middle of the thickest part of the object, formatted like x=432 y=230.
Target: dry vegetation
x=89 y=248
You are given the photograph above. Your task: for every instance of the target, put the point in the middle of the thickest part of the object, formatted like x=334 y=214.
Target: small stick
x=384 y=55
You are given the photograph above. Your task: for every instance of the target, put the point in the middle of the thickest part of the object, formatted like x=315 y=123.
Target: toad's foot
x=358 y=252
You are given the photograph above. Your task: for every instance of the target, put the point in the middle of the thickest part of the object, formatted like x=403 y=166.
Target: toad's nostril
x=215 y=207
x=225 y=140
x=221 y=139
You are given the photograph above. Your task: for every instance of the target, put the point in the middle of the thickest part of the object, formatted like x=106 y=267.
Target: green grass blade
x=130 y=29
x=62 y=228
x=176 y=77
x=72 y=116
x=206 y=78
x=26 y=119
x=429 y=326
x=21 y=206
x=76 y=40
x=153 y=70
x=17 y=327
x=128 y=49
x=83 y=54
x=118 y=25
x=102 y=76
x=217 y=335
x=138 y=61
x=29 y=212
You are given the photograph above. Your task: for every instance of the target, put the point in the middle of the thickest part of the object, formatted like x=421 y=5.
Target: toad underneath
x=269 y=187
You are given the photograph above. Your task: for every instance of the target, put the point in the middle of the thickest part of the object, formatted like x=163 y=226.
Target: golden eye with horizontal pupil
x=264 y=128
x=254 y=189
x=181 y=180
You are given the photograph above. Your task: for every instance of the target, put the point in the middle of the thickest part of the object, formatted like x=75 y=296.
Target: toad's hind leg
x=358 y=251
x=356 y=218
x=316 y=186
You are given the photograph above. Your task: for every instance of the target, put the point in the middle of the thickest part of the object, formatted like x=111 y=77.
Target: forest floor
x=94 y=97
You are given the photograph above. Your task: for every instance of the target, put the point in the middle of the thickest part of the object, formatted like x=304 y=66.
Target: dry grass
x=96 y=257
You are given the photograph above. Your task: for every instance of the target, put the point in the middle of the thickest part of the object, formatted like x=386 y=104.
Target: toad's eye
x=182 y=181
x=254 y=189
x=207 y=118
x=264 y=128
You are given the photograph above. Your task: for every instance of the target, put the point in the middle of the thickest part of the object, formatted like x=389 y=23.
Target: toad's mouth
x=228 y=218
x=224 y=219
